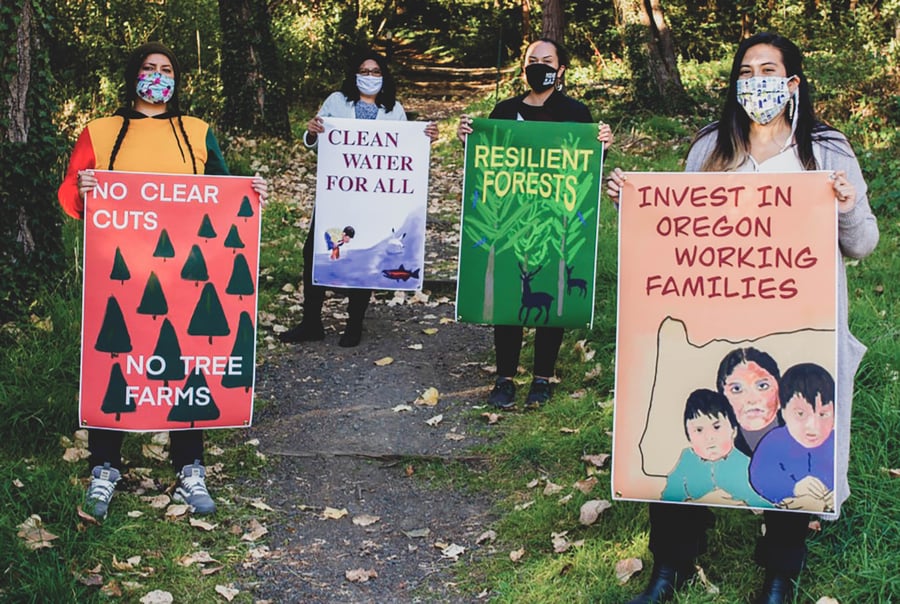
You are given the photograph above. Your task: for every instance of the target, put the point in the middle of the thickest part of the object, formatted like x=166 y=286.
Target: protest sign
x=169 y=309
x=528 y=243
x=727 y=290
x=371 y=202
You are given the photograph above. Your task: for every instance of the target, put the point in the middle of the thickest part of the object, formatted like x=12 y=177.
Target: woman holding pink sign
x=768 y=125
x=148 y=134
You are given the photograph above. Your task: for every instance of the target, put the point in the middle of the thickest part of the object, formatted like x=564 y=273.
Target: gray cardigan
x=857 y=237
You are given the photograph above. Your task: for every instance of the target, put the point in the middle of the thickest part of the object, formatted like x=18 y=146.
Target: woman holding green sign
x=768 y=125
x=545 y=64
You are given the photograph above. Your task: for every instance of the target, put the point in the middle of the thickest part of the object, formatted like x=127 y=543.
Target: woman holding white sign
x=768 y=125
x=545 y=63
x=368 y=92
x=148 y=134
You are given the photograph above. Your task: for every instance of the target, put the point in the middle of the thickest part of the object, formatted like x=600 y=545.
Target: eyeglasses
x=372 y=72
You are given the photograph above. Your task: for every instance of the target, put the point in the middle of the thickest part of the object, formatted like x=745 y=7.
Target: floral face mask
x=763 y=97
x=155 y=87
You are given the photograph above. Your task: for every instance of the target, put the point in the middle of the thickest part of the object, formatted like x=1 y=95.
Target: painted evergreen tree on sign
x=116 y=398
x=207 y=231
x=164 y=248
x=168 y=349
x=209 y=318
x=241 y=282
x=233 y=239
x=153 y=301
x=113 y=337
x=199 y=404
x=120 y=270
x=244 y=347
x=246 y=209
x=194 y=268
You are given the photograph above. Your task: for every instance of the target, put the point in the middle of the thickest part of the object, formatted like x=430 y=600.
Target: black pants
x=678 y=537
x=314 y=295
x=508 y=347
x=106 y=446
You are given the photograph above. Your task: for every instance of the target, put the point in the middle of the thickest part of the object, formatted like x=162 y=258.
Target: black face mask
x=540 y=76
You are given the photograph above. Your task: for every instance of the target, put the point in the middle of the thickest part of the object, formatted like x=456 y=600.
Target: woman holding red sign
x=148 y=134
x=768 y=125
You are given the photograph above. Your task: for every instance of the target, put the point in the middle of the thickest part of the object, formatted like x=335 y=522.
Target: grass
x=853 y=560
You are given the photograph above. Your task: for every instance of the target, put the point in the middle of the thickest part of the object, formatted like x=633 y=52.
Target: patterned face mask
x=763 y=97
x=155 y=87
x=368 y=85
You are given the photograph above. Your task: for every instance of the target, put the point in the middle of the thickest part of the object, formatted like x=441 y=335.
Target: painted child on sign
x=712 y=470
x=334 y=241
x=793 y=466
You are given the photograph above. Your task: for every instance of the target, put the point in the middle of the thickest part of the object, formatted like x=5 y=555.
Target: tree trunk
x=30 y=240
x=251 y=78
x=526 y=22
x=650 y=48
x=554 y=21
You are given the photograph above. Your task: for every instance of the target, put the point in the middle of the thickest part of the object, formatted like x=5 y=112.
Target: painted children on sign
x=372 y=176
x=168 y=340
x=724 y=279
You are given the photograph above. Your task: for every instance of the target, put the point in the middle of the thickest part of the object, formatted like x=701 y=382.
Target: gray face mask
x=369 y=85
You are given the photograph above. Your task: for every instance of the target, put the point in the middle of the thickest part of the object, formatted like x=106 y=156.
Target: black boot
x=359 y=302
x=777 y=589
x=665 y=580
x=305 y=331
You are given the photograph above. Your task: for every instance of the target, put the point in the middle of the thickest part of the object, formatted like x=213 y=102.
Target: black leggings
x=314 y=295
x=508 y=347
x=678 y=536
x=106 y=446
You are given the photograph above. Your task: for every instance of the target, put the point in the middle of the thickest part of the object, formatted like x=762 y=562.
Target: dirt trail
x=335 y=436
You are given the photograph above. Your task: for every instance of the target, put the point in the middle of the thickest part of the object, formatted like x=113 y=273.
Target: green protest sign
x=528 y=244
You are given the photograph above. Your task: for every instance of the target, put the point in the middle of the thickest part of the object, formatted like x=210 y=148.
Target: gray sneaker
x=99 y=494
x=192 y=489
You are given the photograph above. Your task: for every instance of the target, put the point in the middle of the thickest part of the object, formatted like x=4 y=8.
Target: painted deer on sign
x=539 y=300
x=574 y=283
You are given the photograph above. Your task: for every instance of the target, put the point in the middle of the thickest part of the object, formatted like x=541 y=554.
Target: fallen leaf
x=401 y=407
x=552 y=488
x=160 y=438
x=410 y=470
x=597 y=460
x=157 y=502
x=128 y=564
x=85 y=516
x=210 y=570
x=815 y=526
x=33 y=533
x=256 y=530
x=157 y=596
x=827 y=600
x=360 y=575
x=261 y=505
x=421 y=533
x=517 y=554
x=485 y=536
x=253 y=442
x=586 y=352
x=524 y=506
x=430 y=397
x=894 y=472
x=591 y=510
x=587 y=485
x=446 y=320
x=430 y=331
x=135 y=514
x=434 y=421
x=560 y=543
x=202 y=557
x=333 y=513
x=18 y=483
x=454 y=436
x=384 y=361
x=202 y=524
x=176 y=510
x=710 y=588
x=453 y=551
x=365 y=519
x=626 y=568
x=533 y=483
x=74 y=454
x=569 y=430
x=565 y=499
x=91 y=580
x=415 y=347
x=593 y=373
x=157 y=452
x=492 y=418
x=227 y=592
x=577 y=394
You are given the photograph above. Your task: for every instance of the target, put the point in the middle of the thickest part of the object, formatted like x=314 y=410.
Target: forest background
x=655 y=69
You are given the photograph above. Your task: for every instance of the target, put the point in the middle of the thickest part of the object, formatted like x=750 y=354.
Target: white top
x=337 y=105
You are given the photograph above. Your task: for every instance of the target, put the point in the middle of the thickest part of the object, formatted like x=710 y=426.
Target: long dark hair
x=733 y=128
x=387 y=97
x=130 y=74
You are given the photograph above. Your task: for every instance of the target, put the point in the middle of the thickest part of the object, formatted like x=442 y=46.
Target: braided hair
x=132 y=67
